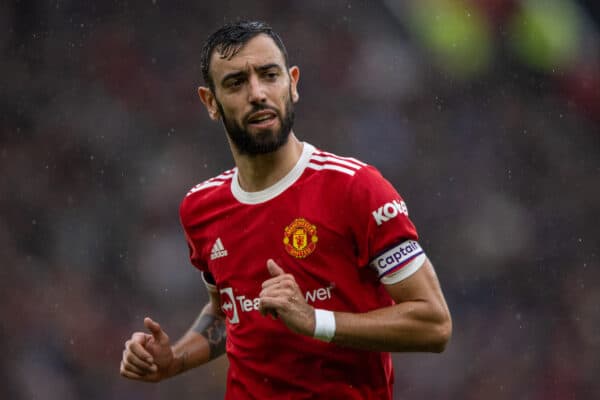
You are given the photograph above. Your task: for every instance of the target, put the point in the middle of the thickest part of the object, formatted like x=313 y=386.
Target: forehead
x=260 y=50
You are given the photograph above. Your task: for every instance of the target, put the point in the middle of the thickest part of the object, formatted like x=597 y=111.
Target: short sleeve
x=194 y=252
x=386 y=238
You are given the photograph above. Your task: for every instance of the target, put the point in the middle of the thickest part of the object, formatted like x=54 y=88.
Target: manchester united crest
x=300 y=238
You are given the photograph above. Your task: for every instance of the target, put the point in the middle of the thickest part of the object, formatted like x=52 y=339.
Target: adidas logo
x=218 y=250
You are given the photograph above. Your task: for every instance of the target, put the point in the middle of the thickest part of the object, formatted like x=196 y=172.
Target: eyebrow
x=266 y=67
x=262 y=68
x=232 y=75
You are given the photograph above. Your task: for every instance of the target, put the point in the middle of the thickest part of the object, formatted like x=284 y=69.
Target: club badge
x=300 y=238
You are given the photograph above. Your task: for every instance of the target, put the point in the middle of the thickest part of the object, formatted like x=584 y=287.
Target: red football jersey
x=341 y=229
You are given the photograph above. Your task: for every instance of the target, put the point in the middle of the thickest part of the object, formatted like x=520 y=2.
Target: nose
x=256 y=93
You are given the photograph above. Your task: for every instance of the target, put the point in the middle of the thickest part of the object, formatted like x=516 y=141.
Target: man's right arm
x=204 y=341
x=151 y=358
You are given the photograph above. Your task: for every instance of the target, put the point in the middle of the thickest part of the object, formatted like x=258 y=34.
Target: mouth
x=262 y=118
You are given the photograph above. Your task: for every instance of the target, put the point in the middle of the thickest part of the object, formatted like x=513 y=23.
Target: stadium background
x=484 y=115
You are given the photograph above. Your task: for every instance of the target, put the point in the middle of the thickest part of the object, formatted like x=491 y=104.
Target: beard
x=266 y=140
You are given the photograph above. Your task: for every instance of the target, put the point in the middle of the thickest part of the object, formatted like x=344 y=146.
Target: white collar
x=278 y=187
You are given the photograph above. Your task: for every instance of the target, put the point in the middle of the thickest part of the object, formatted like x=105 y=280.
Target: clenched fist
x=281 y=297
x=147 y=357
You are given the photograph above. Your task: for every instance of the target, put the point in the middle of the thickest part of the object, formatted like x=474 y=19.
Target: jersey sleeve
x=194 y=252
x=386 y=238
x=197 y=260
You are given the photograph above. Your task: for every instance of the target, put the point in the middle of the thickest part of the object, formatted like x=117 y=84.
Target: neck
x=258 y=172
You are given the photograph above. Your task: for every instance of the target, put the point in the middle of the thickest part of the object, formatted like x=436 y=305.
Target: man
x=311 y=262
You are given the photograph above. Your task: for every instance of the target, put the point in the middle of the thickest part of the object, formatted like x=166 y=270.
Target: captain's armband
x=398 y=262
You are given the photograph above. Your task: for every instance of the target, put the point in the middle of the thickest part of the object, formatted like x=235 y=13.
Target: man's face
x=254 y=95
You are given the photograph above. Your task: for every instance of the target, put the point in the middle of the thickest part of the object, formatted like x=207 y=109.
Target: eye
x=271 y=75
x=236 y=82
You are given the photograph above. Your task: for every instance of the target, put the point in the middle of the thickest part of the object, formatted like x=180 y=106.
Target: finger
x=274 y=269
x=128 y=373
x=139 y=337
x=272 y=304
x=129 y=357
x=286 y=280
x=137 y=349
x=273 y=281
x=154 y=327
x=286 y=287
x=275 y=291
x=132 y=367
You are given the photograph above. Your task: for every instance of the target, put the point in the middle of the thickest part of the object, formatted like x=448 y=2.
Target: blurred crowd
x=486 y=121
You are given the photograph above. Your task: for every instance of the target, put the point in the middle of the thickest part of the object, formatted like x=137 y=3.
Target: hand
x=281 y=296
x=147 y=357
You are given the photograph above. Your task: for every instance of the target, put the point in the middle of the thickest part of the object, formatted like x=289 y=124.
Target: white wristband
x=324 y=325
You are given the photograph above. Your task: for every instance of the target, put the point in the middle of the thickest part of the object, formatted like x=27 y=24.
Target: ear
x=210 y=102
x=294 y=78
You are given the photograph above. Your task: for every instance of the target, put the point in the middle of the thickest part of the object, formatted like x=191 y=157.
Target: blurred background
x=484 y=114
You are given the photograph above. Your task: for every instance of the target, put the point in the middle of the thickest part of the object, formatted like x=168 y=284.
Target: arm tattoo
x=213 y=329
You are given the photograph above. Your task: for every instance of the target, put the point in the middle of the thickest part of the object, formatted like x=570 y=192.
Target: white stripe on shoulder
x=203 y=186
x=224 y=176
x=336 y=160
x=332 y=167
x=212 y=182
x=350 y=159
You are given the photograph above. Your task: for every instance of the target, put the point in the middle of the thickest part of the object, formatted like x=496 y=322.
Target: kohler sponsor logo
x=389 y=210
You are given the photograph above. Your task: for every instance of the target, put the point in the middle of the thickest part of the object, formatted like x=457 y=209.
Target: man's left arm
x=419 y=321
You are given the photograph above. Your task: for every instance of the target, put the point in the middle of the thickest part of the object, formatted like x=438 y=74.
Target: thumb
x=274 y=269
x=155 y=330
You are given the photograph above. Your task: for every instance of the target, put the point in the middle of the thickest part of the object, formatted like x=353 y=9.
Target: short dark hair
x=230 y=38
